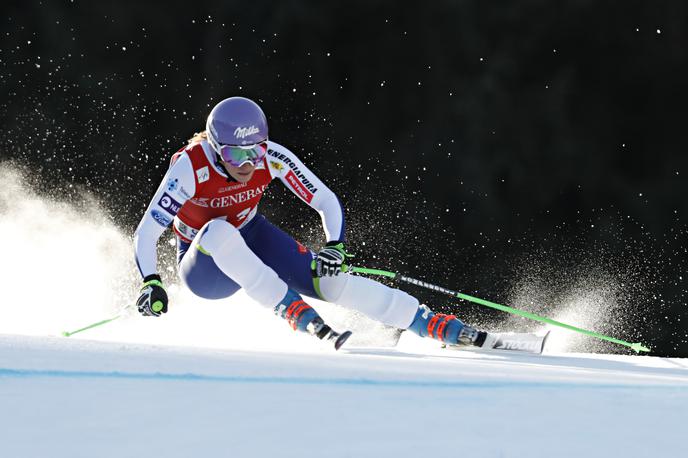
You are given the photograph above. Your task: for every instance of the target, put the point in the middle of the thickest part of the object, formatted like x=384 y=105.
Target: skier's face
x=241 y=174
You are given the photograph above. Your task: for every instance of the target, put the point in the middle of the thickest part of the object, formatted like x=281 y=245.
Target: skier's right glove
x=153 y=298
x=331 y=259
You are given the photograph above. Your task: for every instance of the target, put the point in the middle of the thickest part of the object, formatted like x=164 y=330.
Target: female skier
x=210 y=196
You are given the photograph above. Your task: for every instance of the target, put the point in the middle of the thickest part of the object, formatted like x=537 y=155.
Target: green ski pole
x=637 y=347
x=98 y=323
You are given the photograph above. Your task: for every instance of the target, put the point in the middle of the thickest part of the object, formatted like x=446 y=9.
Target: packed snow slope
x=67 y=397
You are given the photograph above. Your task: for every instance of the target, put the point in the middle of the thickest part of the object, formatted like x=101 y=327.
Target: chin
x=243 y=178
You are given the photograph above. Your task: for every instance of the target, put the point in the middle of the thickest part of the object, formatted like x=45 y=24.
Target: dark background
x=529 y=150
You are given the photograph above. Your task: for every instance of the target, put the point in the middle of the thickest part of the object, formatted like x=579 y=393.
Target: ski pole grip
x=345 y=267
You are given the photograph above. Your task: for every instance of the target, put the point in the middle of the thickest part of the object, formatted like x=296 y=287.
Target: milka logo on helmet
x=243 y=132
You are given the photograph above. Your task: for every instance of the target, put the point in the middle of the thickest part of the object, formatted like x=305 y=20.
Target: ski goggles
x=237 y=156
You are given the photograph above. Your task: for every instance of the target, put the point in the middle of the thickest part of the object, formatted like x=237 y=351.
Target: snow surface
x=66 y=397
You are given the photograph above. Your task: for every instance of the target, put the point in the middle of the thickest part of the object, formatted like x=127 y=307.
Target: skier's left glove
x=330 y=259
x=153 y=298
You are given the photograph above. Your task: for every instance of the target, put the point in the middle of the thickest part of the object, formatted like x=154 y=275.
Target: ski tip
x=66 y=334
x=342 y=339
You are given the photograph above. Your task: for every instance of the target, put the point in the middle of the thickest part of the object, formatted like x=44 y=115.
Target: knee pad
x=390 y=306
x=224 y=243
x=216 y=234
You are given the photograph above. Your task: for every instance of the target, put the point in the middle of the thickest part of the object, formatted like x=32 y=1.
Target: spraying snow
x=63 y=264
x=71 y=266
x=590 y=301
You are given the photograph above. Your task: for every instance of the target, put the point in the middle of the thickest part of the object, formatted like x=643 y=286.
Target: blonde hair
x=198 y=136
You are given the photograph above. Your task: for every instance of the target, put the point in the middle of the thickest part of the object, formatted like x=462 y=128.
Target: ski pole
x=637 y=347
x=98 y=323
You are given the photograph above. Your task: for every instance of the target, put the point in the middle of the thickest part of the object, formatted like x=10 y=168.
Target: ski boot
x=453 y=333
x=303 y=317
x=446 y=328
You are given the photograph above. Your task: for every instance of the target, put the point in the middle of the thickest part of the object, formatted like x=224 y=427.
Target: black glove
x=330 y=259
x=153 y=298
